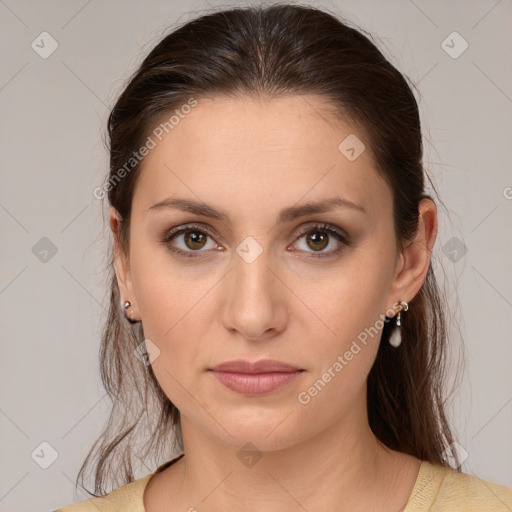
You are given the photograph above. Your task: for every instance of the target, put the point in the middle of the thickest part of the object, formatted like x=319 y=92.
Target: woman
x=271 y=256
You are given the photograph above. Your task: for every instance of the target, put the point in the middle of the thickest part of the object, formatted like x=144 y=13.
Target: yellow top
x=437 y=489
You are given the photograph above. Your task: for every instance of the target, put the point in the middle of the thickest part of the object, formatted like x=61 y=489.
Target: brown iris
x=197 y=240
x=320 y=240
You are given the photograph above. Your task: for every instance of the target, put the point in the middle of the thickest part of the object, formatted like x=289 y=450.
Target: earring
x=396 y=336
x=126 y=305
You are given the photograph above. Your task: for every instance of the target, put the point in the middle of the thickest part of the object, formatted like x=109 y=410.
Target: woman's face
x=262 y=282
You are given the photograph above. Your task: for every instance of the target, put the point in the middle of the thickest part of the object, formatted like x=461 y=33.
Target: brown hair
x=270 y=51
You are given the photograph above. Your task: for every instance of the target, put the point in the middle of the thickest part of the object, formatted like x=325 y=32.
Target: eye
x=320 y=236
x=193 y=240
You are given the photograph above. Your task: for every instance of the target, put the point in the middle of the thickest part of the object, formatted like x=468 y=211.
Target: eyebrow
x=285 y=215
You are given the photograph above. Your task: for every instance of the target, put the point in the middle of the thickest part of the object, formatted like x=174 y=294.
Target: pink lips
x=255 y=378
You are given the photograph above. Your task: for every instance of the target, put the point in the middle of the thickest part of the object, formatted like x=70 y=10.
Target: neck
x=343 y=467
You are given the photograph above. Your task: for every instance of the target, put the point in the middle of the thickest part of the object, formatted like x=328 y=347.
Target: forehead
x=248 y=124
x=247 y=151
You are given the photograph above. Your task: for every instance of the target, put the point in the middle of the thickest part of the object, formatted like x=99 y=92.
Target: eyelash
x=321 y=227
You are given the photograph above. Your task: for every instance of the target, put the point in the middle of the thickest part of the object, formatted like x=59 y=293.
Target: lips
x=255 y=378
x=263 y=366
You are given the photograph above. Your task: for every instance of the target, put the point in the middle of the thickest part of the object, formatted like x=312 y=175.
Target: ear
x=122 y=264
x=414 y=260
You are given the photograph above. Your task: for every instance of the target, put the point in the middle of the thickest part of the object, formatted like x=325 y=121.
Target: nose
x=255 y=307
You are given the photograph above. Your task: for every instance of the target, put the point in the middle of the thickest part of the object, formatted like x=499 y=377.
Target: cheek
x=351 y=307
x=176 y=303
x=166 y=291
x=173 y=315
x=353 y=298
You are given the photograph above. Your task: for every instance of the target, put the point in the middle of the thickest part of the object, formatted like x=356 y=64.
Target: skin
x=253 y=158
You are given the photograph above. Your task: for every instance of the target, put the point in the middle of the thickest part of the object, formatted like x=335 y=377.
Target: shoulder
x=441 y=488
x=127 y=498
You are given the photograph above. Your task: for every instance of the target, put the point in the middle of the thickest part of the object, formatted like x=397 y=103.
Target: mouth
x=255 y=378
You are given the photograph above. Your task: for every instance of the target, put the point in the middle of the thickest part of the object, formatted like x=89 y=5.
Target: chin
x=267 y=430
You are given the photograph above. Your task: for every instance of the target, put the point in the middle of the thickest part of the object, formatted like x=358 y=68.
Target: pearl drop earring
x=396 y=336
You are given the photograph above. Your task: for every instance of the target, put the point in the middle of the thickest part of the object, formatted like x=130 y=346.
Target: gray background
x=53 y=113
